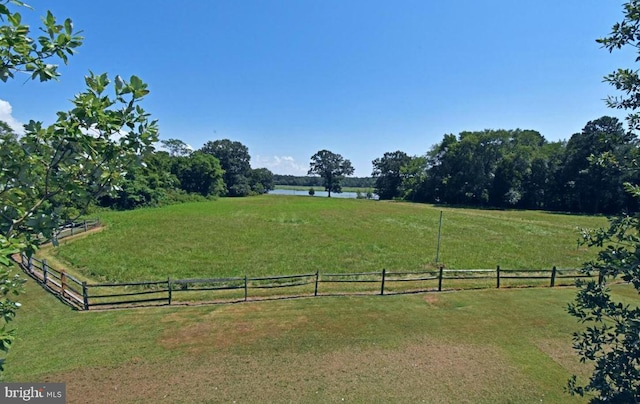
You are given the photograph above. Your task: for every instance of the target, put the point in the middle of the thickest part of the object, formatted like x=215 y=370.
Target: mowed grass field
x=483 y=346
x=279 y=235
x=476 y=346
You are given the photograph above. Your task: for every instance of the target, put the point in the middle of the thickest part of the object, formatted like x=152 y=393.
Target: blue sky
x=360 y=78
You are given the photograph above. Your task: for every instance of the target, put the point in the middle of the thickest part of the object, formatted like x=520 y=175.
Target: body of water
x=352 y=195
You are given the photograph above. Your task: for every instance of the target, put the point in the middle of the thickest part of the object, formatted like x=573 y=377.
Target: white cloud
x=5 y=115
x=284 y=165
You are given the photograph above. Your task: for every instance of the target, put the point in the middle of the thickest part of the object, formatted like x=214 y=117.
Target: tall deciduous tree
x=176 y=147
x=591 y=187
x=387 y=170
x=611 y=340
x=235 y=161
x=261 y=180
x=199 y=173
x=150 y=184
x=332 y=168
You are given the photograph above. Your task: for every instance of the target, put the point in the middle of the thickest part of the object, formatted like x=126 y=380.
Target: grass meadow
x=476 y=346
x=281 y=235
x=483 y=346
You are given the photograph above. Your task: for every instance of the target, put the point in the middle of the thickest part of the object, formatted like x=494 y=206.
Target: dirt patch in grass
x=426 y=372
x=209 y=333
x=432 y=299
x=435 y=301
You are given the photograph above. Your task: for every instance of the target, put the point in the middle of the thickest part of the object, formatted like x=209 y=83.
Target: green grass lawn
x=275 y=235
x=507 y=345
x=491 y=346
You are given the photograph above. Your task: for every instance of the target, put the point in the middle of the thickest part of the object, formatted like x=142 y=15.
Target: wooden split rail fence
x=84 y=296
x=71 y=229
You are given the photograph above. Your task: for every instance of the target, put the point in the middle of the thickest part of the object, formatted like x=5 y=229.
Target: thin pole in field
x=439 y=236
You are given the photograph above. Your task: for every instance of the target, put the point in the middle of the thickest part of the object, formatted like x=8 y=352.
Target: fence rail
x=84 y=296
x=73 y=228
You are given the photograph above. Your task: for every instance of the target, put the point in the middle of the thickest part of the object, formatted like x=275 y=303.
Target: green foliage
x=611 y=339
x=414 y=180
x=164 y=179
x=19 y=167
x=176 y=147
x=199 y=173
x=79 y=158
x=261 y=181
x=10 y=285
x=517 y=169
x=235 y=161
x=492 y=167
x=625 y=33
x=387 y=171
x=54 y=172
x=148 y=184
x=591 y=184
x=21 y=52
x=332 y=168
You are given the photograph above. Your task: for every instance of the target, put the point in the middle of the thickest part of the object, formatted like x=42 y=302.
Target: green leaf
x=15 y=19
x=49 y=21
x=68 y=26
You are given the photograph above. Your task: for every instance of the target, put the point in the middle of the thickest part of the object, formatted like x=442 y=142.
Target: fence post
x=498 y=277
x=44 y=271
x=600 y=278
x=553 y=276
x=85 y=225
x=30 y=264
x=384 y=271
x=63 y=282
x=169 y=288
x=85 y=296
x=440 y=278
x=72 y=226
x=315 y=292
x=23 y=258
x=246 y=287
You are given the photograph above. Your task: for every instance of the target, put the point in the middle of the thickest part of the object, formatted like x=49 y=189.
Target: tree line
x=220 y=168
x=519 y=169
